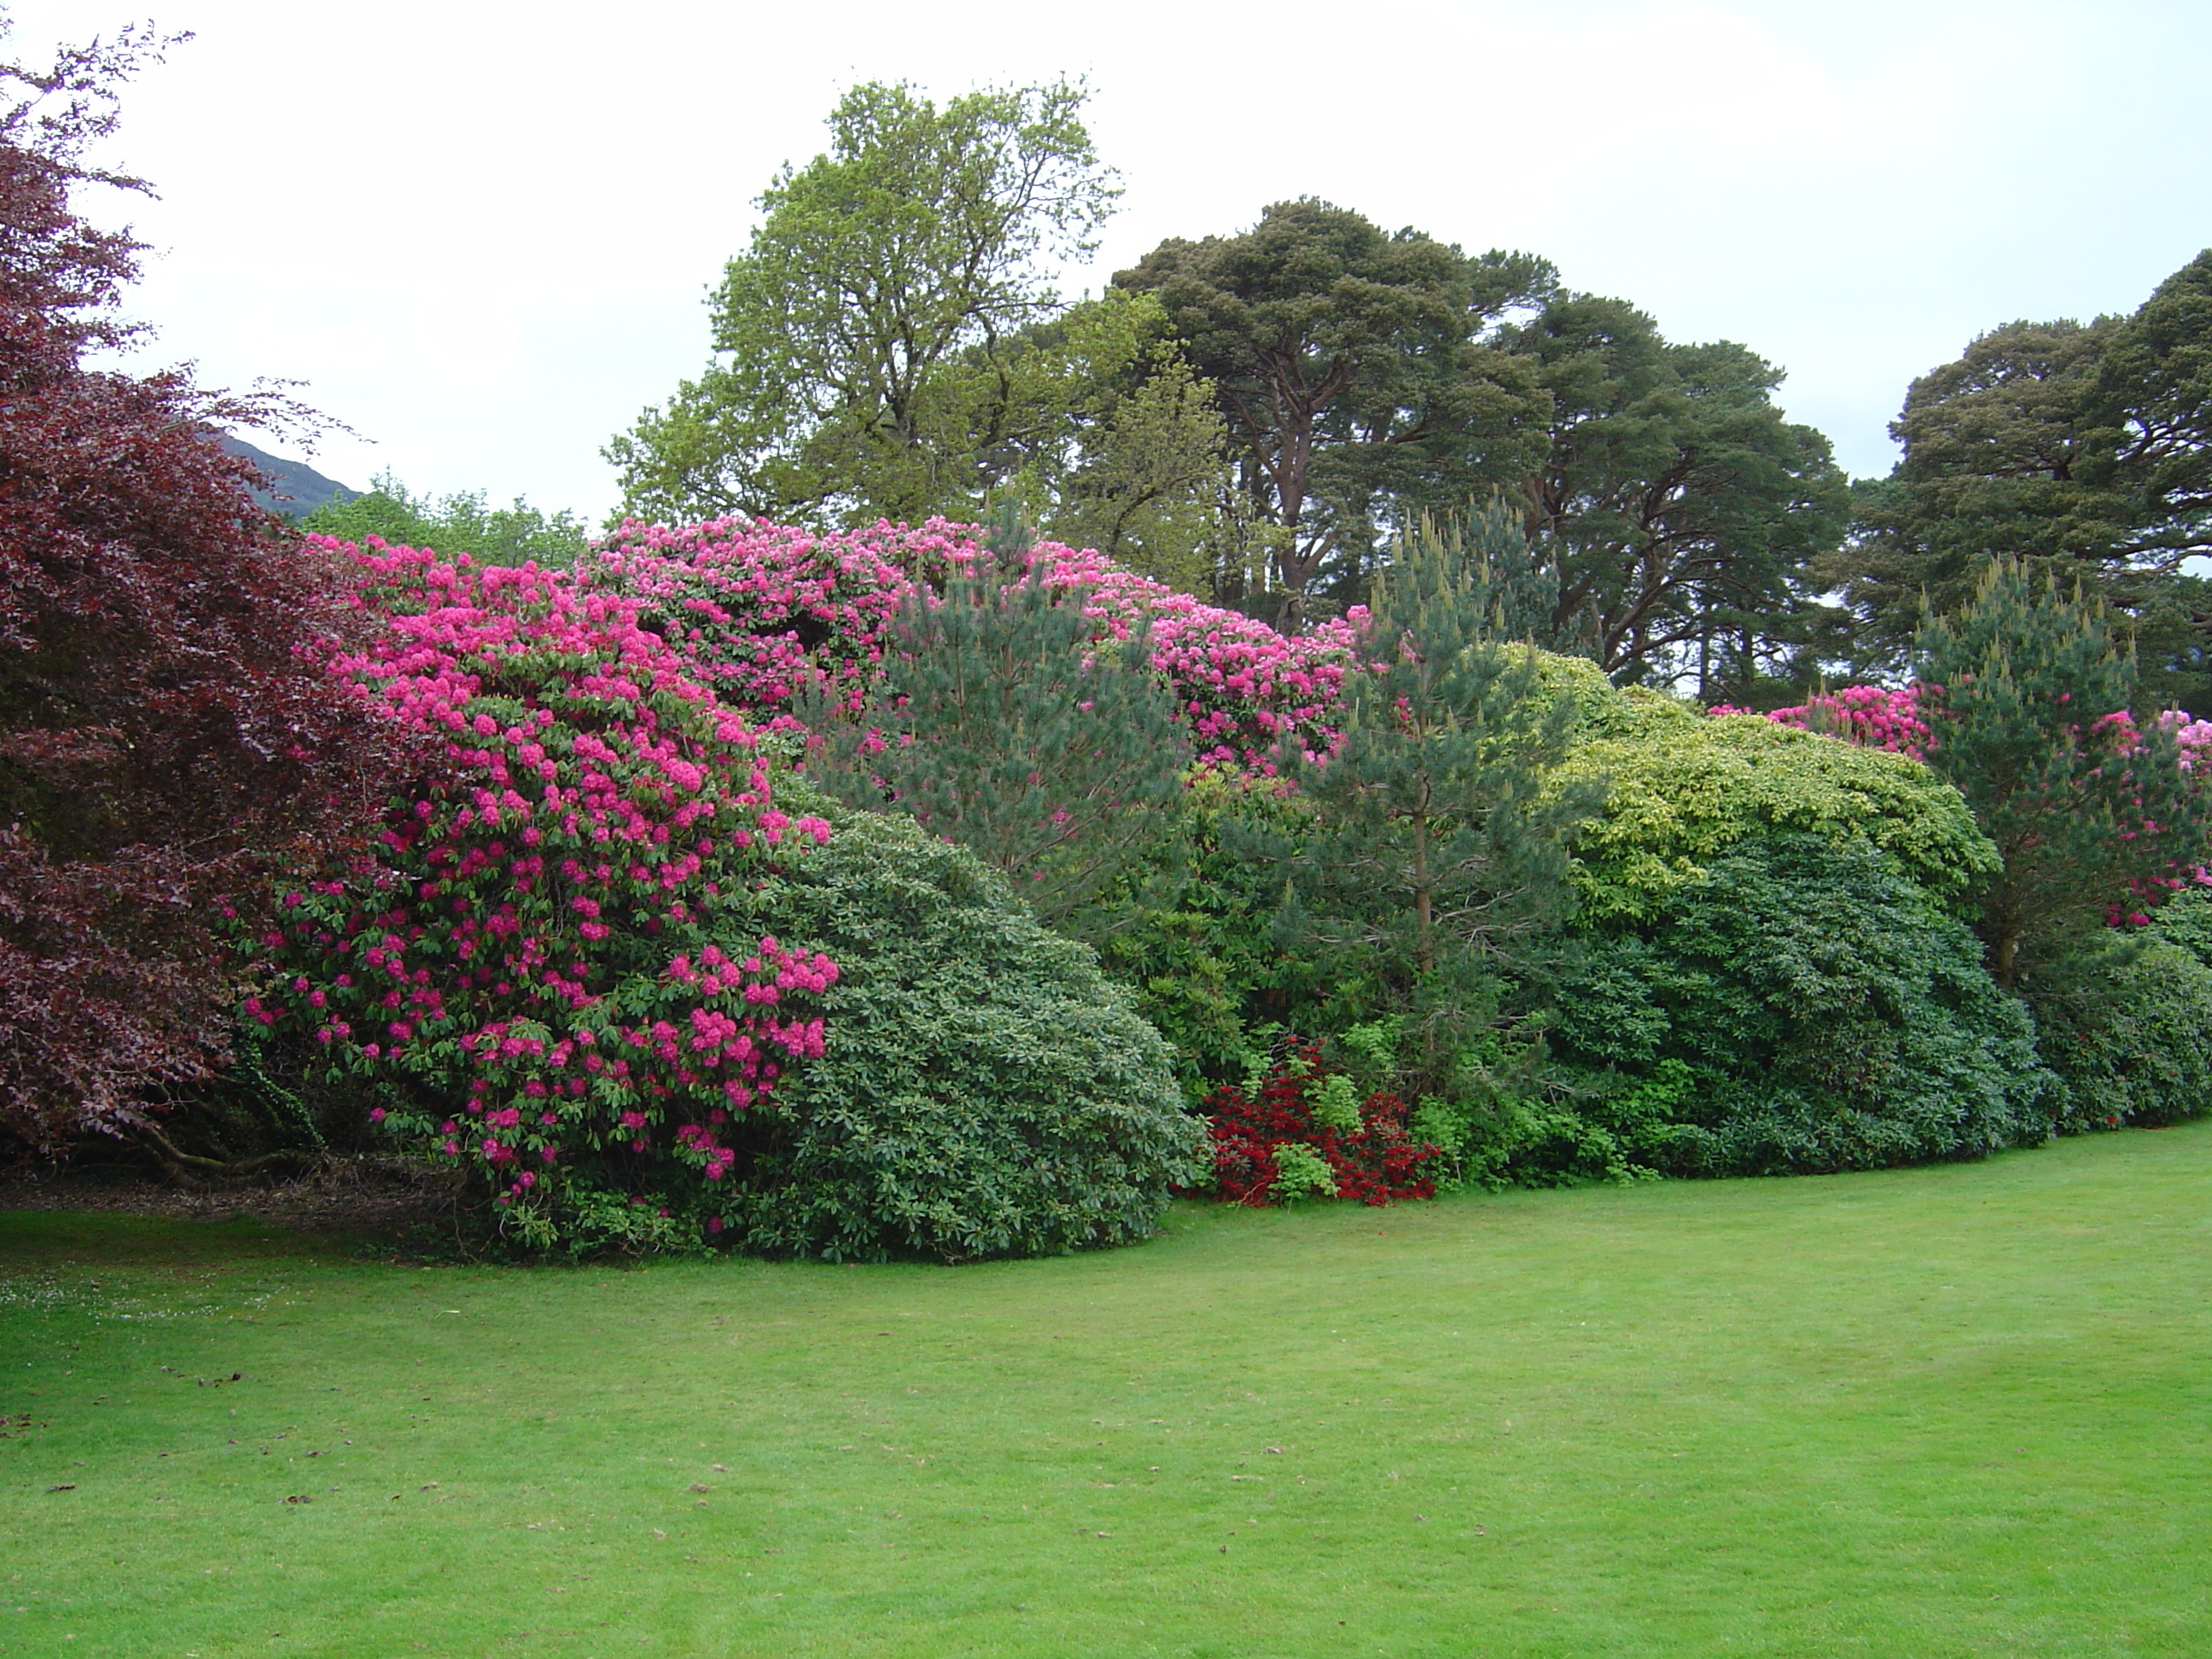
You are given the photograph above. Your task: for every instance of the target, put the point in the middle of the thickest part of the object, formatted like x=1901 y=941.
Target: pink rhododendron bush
x=563 y=961
x=755 y=610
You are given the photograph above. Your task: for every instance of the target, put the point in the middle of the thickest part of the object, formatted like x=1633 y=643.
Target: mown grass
x=1926 y=1412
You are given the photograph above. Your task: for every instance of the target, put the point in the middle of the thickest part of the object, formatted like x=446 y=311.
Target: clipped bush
x=983 y=1089
x=1804 y=1005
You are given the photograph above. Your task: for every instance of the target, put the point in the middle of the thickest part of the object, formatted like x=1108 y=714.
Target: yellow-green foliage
x=1684 y=785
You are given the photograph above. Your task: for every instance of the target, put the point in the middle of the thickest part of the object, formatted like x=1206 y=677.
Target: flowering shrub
x=758 y=610
x=755 y=610
x=1266 y=1143
x=1897 y=719
x=1241 y=685
x=1873 y=716
x=551 y=956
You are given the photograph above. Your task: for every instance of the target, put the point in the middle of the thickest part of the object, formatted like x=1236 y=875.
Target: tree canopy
x=166 y=738
x=869 y=340
x=1678 y=501
x=2084 y=449
x=1352 y=372
x=462 y=522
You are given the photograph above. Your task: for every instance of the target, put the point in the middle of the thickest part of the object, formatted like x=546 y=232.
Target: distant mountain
x=294 y=488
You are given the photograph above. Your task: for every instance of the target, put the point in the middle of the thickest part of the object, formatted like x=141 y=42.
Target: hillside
x=295 y=489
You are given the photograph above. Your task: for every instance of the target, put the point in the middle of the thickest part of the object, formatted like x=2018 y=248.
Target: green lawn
x=1926 y=1412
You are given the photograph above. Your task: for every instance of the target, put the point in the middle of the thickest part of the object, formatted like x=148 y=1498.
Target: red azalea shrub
x=546 y=956
x=1377 y=1164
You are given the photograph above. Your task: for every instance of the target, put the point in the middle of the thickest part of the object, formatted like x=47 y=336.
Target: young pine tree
x=2031 y=724
x=1004 y=724
x=1435 y=854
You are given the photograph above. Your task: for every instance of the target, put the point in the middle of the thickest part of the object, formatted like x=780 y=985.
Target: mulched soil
x=377 y=1196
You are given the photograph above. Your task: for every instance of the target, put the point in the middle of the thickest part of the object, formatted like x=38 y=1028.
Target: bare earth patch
x=360 y=1195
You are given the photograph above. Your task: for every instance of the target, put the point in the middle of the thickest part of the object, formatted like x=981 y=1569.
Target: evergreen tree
x=2031 y=724
x=1514 y=579
x=1353 y=370
x=1683 y=505
x=2082 y=449
x=1435 y=857
x=1004 y=724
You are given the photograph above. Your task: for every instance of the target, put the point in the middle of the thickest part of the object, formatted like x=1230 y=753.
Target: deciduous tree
x=866 y=340
x=453 y=525
x=162 y=741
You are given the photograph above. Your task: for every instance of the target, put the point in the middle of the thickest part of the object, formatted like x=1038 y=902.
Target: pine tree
x=2089 y=807
x=1014 y=723
x=1436 y=856
x=1515 y=587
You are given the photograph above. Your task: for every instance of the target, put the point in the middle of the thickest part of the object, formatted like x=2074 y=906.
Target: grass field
x=1939 y=1412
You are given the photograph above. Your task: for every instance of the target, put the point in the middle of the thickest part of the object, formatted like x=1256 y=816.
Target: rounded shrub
x=1682 y=787
x=983 y=1089
x=549 y=963
x=1803 y=1005
x=2129 y=1028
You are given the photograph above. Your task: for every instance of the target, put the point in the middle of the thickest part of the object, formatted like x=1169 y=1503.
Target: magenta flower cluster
x=756 y=610
x=543 y=940
x=1872 y=716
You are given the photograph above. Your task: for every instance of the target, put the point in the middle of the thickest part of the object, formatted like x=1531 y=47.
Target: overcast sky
x=480 y=234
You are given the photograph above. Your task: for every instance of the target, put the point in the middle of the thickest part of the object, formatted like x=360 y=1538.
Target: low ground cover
x=1944 y=1411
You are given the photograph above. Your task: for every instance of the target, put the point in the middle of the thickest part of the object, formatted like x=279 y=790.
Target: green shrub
x=1683 y=787
x=984 y=1091
x=1206 y=967
x=2185 y=920
x=1300 y=1172
x=2129 y=1028
x=1804 y=1006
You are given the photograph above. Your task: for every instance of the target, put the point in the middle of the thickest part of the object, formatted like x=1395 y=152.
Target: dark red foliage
x=1377 y=1164
x=166 y=737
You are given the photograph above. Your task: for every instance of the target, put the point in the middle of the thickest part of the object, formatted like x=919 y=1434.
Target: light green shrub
x=1683 y=787
x=1301 y=1172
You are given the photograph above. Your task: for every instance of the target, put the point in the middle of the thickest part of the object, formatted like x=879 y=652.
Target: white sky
x=481 y=233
